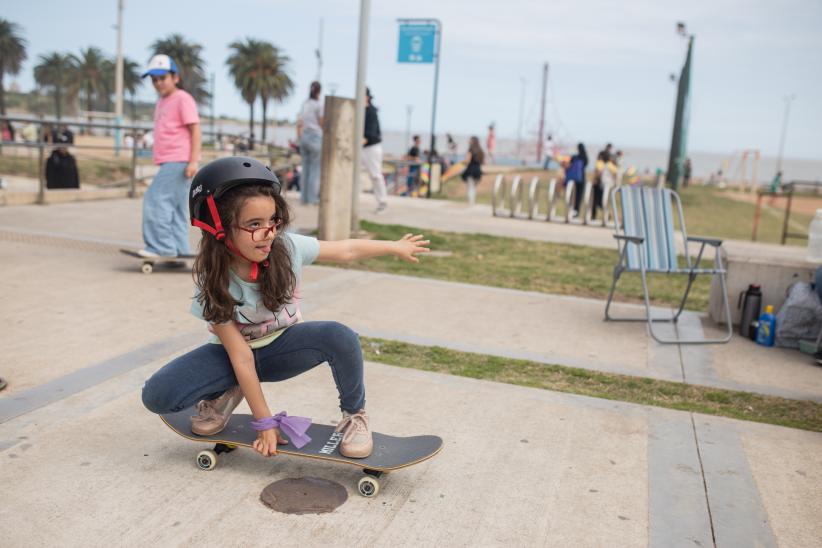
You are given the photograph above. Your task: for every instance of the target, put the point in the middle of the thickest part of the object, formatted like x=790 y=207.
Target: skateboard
x=390 y=452
x=149 y=262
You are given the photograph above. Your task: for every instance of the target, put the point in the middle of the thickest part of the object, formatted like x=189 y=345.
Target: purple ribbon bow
x=293 y=427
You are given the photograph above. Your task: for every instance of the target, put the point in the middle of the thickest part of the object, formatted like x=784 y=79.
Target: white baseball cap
x=160 y=64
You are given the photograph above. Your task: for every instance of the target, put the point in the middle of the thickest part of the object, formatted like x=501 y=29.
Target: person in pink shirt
x=491 y=143
x=177 y=152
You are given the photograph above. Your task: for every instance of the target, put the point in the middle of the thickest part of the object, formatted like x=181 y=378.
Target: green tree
x=190 y=63
x=131 y=81
x=241 y=67
x=12 y=55
x=56 y=71
x=90 y=75
x=259 y=70
x=274 y=82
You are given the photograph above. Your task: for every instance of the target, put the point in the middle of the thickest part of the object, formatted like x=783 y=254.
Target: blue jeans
x=165 y=211
x=206 y=372
x=311 y=149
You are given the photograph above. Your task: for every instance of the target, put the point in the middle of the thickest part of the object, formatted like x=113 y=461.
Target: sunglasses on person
x=261 y=234
x=155 y=79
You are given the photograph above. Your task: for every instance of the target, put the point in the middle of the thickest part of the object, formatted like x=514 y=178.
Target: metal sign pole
x=420 y=55
x=434 y=107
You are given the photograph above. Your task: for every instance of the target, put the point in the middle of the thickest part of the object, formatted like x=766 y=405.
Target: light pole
x=788 y=100
x=359 y=116
x=118 y=81
x=519 y=123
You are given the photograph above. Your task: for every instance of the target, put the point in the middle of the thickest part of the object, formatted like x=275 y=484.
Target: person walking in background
x=310 y=137
x=686 y=172
x=177 y=151
x=549 y=152
x=372 y=152
x=414 y=168
x=452 y=149
x=575 y=173
x=473 y=168
x=491 y=143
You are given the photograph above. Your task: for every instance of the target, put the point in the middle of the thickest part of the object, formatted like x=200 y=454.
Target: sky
x=609 y=62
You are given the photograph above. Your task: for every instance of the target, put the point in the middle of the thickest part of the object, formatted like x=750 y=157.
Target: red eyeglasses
x=261 y=234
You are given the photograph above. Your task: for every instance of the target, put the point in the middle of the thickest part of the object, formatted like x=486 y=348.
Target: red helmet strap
x=219 y=233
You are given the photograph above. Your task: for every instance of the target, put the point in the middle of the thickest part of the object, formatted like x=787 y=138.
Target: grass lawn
x=92 y=171
x=708 y=211
x=528 y=265
x=805 y=415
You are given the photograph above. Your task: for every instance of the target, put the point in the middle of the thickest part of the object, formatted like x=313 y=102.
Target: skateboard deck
x=390 y=452
x=149 y=262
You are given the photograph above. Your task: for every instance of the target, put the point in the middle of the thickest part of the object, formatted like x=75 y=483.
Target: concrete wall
x=337 y=175
x=774 y=274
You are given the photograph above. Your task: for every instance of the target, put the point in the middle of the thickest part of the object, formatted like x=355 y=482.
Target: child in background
x=176 y=141
x=247 y=273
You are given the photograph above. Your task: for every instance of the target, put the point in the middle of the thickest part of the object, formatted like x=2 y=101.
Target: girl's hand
x=266 y=442
x=191 y=170
x=410 y=245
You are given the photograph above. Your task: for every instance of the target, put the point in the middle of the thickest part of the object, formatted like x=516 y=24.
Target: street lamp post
x=359 y=116
x=118 y=81
x=788 y=100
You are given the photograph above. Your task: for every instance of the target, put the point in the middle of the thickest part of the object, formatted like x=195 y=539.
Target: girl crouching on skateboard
x=247 y=274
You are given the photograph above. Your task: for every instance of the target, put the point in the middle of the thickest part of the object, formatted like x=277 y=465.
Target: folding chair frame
x=692 y=271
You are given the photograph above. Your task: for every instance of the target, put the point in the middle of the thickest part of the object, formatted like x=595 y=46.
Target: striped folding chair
x=645 y=241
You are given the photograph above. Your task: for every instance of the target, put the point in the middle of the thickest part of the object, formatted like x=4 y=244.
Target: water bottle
x=766 y=331
x=815 y=238
x=751 y=303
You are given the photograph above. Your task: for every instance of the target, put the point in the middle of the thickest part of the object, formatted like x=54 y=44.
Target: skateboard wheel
x=206 y=460
x=368 y=487
x=147 y=268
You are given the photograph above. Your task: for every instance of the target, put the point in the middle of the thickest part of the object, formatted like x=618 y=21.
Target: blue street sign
x=416 y=43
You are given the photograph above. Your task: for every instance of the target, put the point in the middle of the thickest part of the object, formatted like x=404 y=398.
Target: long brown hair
x=213 y=262
x=476 y=150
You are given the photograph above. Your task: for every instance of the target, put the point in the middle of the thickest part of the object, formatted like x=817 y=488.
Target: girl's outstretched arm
x=345 y=251
x=242 y=361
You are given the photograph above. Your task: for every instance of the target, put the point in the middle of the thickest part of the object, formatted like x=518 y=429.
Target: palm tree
x=190 y=63
x=273 y=81
x=131 y=81
x=242 y=65
x=90 y=75
x=259 y=69
x=12 y=55
x=55 y=71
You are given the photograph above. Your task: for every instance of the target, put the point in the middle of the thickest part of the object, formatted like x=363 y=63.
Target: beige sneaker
x=213 y=415
x=356 y=442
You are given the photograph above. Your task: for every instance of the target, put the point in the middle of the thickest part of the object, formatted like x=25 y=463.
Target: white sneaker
x=381 y=209
x=147 y=254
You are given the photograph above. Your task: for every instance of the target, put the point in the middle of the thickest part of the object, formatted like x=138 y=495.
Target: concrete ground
x=84 y=463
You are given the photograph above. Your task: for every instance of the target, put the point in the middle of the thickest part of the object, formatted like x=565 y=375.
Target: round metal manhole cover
x=304 y=496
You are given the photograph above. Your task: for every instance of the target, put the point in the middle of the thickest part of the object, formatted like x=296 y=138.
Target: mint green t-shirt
x=256 y=323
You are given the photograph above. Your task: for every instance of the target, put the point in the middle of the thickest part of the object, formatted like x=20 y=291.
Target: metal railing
x=43 y=144
x=788 y=190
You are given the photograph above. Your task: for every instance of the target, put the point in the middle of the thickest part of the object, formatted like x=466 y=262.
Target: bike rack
x=516 y=196
x=533 y=198
x=552 y=199
x=498 y=196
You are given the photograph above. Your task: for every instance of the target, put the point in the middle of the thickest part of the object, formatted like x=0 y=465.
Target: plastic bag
x=800 y=316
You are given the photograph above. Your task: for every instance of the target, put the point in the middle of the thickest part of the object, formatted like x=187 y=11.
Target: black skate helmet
x=215 y=179
x=218 y=177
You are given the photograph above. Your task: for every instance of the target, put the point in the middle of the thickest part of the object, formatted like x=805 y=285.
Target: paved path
x=84 y=464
